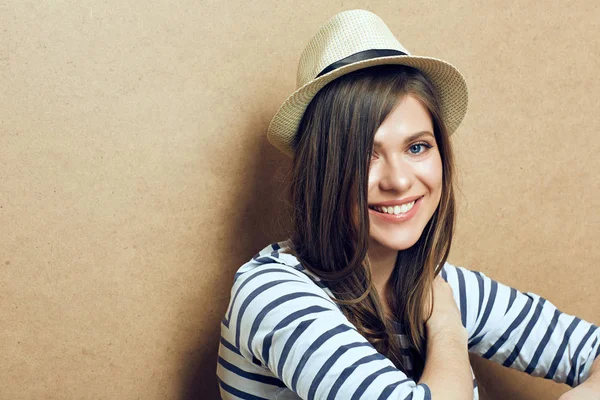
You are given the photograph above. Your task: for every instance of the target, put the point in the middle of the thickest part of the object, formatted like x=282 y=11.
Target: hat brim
x=446 y=79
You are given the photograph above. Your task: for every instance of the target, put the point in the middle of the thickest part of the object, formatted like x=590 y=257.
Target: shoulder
x=267 y=295
x=457 y=275
x=272 y=264
x=274 y=278
x=275 y=283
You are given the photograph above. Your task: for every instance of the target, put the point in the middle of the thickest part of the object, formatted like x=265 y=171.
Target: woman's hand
x=447 y=370
x=445 y=316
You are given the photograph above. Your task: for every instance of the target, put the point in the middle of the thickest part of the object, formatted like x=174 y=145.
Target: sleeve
x=523 y=330
x=283 y=320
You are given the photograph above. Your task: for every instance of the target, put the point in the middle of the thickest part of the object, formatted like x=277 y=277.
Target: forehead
x=408 y=121
x=408 y=139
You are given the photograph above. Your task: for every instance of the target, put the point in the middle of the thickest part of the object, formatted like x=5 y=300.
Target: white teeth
x=403 y=209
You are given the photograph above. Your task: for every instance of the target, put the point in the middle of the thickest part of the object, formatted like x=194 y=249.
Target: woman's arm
x=595 y=371
x=279 y=319
x=523 y=330
x=588 y=390
x=447 y=369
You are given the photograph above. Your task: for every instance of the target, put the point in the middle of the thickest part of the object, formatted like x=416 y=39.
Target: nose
x=397 y=175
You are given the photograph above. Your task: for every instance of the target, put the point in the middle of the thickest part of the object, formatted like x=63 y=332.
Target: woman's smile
x=396 y=211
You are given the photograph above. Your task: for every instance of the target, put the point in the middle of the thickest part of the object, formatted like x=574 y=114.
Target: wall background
x=135 y=175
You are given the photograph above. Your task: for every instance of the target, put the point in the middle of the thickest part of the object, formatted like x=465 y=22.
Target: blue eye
x=419 y=145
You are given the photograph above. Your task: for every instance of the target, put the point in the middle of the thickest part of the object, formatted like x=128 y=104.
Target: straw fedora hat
x=349 y=41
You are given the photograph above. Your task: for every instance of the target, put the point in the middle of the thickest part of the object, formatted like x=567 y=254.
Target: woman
x=360 y=302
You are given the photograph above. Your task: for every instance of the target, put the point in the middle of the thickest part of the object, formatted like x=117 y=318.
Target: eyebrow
x=410 y=138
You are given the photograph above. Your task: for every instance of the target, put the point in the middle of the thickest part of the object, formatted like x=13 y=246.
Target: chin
x=391 y=243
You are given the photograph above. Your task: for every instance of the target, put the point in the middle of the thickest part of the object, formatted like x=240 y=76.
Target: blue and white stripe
x=282 y=337
x=523 y=330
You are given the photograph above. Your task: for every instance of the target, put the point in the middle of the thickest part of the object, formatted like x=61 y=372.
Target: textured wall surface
x=135 y=175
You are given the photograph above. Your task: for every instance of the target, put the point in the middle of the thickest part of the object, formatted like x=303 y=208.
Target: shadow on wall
x=265 y=218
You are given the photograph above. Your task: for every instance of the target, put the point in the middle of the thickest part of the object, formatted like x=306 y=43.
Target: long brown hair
x=330 y=228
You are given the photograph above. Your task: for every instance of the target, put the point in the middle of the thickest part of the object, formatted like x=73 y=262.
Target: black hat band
x=361 y=56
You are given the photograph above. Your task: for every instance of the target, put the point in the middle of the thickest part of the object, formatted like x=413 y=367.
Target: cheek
x=372 y=181
x=432 y=173
x=435 y=183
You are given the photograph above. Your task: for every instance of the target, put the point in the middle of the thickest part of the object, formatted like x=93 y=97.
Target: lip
x=396 y=202
x=397 y=218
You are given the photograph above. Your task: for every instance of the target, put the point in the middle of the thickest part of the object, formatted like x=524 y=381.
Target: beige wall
x=135 y=176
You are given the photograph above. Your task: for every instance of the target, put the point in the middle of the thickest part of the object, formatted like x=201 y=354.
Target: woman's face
x=405 y=177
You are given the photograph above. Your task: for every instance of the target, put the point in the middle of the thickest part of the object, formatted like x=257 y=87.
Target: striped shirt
x=282 y=337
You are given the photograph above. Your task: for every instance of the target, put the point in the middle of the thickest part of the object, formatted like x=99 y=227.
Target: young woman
x=360 y=301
